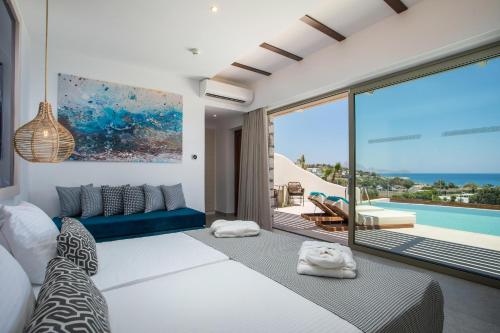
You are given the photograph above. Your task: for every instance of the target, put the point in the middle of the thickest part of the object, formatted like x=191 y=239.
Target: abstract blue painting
x=120 y=123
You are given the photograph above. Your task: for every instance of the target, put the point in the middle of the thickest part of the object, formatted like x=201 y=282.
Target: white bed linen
x=220 y=297
x=127 y=261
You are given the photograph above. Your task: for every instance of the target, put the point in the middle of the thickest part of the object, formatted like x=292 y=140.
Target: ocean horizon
x=456 y=178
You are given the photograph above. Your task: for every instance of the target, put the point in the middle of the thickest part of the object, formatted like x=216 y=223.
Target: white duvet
x=221 y=297
x=133 y=260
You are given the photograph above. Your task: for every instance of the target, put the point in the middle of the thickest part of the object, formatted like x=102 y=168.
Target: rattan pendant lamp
x=43 y=139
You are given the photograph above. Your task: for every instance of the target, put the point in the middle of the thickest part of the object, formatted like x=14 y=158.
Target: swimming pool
x=482 y=221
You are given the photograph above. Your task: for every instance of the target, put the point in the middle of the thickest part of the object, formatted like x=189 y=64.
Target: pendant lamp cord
x=46 y=43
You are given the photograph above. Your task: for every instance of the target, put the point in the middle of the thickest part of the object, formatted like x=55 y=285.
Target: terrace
x=452 y=246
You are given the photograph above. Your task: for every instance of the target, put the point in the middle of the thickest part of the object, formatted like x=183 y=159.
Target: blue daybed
x=108 y=228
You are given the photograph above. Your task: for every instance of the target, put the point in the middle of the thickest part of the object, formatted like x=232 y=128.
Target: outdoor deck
x=479 y=260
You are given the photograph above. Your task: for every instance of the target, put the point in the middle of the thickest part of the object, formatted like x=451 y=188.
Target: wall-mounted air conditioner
x=225 y=92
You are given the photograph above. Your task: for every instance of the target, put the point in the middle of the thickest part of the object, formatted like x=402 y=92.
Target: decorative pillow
x=70 y=200
x=31 y=235
x=68 y=302
x=17 y=299
x=174 y=196
x=154 y=198
x=112 y=198
x=133 y=200
x=91 y=202
x=78 y=245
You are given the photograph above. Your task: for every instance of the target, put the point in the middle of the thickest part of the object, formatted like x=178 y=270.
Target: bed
x=194 y=282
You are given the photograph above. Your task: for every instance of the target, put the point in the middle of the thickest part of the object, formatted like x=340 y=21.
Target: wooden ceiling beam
x=251 y=69
x=323 y=28
x=282 y=52
x=397 y=5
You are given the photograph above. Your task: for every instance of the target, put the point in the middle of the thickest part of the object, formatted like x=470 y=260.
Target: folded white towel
x=238 y=228
x=325 y=259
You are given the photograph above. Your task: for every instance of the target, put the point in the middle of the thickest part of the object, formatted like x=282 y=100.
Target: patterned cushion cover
x=91 y=202
x=174 y=196
x=112 y=198
x=133 y=200
x=70 y=200
x=154 y=198
x=68 y=302
x=78 y=245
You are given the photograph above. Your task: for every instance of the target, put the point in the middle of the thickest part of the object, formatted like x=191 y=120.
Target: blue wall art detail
x=120 y=123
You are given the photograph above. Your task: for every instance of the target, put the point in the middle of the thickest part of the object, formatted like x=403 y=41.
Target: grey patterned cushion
x=70 y=200
x=78 y=245
x=91 y=202
x=154 y=198
x=112 y=198
x=174 y=196
x=68 y=302
x=133 y=200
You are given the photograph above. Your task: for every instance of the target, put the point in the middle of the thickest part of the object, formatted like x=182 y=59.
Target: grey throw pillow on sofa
x=70 y=200
x=174 y=196
x=154 y=198
x=133 y=200
x=112 y=199
x=91 y=201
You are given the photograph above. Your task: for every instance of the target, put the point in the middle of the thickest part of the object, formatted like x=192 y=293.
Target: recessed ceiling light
x=215 y=116
x=194 y=51
x=214 y=9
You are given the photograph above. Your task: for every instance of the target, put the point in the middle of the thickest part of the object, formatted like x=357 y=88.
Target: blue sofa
x=107 y=228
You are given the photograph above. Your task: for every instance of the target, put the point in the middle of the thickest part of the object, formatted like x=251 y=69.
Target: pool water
x=482 y=221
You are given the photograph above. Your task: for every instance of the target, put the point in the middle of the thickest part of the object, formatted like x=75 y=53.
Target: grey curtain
x=254 y=193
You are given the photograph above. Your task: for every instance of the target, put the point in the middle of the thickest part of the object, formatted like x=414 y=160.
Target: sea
x=456 y=178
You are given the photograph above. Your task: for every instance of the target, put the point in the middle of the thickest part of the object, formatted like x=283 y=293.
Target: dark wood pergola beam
x=282 y=52
x=397 y=5
x=250 y=68
x=323 y=28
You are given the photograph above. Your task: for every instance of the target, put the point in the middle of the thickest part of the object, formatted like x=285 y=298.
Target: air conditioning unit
x=225 y=92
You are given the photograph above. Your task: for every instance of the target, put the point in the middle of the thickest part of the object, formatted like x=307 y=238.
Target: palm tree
x=302 y=161
x=336 y=168
x=327 y=171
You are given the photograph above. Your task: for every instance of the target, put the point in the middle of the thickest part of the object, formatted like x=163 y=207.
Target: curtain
x=254 y=192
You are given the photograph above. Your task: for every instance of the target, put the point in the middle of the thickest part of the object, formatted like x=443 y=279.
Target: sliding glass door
x=427 y=164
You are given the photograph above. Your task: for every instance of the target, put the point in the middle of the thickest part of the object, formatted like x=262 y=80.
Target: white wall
x=44 y=177
x=431 y=29
x=286 y=171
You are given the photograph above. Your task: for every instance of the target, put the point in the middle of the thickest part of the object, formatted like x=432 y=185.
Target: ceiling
x=344 y=16
x=158 y=33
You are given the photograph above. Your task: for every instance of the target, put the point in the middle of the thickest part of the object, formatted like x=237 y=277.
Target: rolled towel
x=339 y=273
x=349 y=262
x=325 y=257
x=238 y=228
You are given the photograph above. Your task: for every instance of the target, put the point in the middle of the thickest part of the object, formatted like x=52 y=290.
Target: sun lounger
x=328 y=219
x=385 y=219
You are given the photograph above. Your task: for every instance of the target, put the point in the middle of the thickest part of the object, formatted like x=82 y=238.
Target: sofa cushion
x=133 y=200
x=70 y=200
x=112 y=198
x=68 y=302
x=127 y=226
x=174 y=196
x=91 y=201
x=77 y=244
x=154 y=198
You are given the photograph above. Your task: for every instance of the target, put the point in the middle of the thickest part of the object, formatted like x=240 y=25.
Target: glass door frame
x=455 y=61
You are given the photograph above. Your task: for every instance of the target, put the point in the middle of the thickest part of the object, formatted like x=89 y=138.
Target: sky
x=423 y=111
x=320 y=133
x=467 y=98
